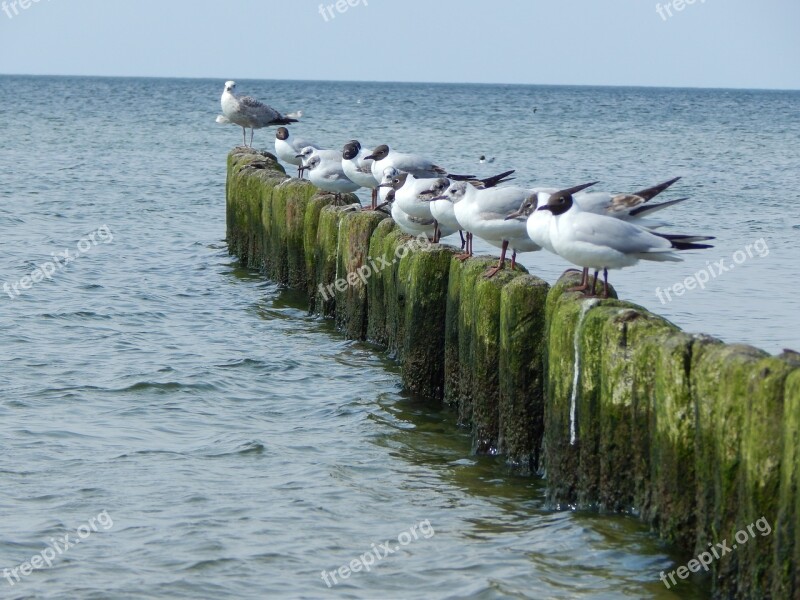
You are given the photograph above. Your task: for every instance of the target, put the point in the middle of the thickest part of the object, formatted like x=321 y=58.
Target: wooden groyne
x=618 y=408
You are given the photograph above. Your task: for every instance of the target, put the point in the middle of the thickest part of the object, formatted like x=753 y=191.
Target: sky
x=674 y=43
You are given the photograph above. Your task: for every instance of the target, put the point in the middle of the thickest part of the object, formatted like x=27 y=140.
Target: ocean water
x=215 y=441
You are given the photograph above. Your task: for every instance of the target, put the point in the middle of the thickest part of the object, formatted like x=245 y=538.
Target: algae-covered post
x=624 y=412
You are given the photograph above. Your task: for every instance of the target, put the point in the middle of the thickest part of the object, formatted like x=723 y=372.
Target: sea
x=174 y=425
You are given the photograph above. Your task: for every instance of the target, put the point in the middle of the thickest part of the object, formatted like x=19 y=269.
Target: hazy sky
x=710 y=43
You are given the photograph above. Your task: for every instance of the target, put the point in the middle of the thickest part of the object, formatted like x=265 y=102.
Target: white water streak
x=573 y=401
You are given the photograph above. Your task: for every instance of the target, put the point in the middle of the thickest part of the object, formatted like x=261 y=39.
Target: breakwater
x=617 y=407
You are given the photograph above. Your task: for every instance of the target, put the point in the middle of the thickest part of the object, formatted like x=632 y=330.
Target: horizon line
x=586 y=85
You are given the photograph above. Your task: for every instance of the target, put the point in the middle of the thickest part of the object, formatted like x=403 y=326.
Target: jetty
x=620 y=410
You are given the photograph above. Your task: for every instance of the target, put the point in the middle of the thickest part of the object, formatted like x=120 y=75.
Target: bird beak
x=370 y=157
x=298 y=156
x=577 y=188
x=545 y=207
x=514 y=215
x=385 y=185
x=438 y=198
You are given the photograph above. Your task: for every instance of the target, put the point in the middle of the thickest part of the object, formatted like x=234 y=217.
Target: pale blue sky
x=710 y=43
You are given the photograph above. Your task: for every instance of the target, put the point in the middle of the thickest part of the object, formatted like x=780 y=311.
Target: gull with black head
x=597 y=241
x=288 y=146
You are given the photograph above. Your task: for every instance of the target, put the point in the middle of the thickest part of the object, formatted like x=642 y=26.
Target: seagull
x=359 y=169
x=407 y=224
x=327 y=175
x=308 y=152
x=386 y=192
x=443 y=209
x=483 y=213
x=246 y=111
x=287 y=148
x=413 y=195
x=627 y=207
x=384 y=157
x=599 y=241
x=483 y=159
x=416 y=226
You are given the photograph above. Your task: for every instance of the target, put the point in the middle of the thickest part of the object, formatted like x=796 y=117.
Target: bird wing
x=613 y=233
x=333 y=174
x=416 y=165
x=364 y=166
x=603 y=203
x=261 y=111
x=498 y=203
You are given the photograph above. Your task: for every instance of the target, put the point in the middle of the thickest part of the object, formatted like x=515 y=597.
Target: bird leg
x=513 y=259
x=584 y=283
x=374 y=198
x=605 y=283
x=252 y=132
x=244 y=137
x=495 y=270
x=468 y=253
x=437 y=234
x=463 y=241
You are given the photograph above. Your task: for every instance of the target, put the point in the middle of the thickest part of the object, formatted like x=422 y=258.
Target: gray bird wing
x=258 y=110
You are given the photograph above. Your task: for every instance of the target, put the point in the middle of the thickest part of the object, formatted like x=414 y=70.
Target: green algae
x=521 y=372
x=354 y=268
x=697 y=438
x=325 y=259
x=381 y=252
x=311 y=218
x=422 y=354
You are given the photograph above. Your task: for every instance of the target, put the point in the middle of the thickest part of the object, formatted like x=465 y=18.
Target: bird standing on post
x=247 y=112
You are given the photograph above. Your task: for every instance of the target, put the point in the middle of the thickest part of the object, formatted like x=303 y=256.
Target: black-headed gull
x=597 y=241
x=385 y=157
x=327 y=175
x=443 y=209
x=288 y=146
x=308 y=152
x=359 y=169
x=411 y=225
x=484 y=213
x=413 y=194
x=628 y=207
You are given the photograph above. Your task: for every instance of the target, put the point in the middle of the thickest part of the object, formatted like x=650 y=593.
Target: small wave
x=251 y=447
x=203 y=565
x=167 y=386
